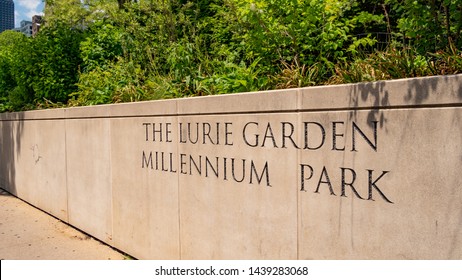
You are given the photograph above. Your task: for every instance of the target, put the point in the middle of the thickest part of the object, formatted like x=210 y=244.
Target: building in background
x=6 y=15
x=36 y=23
x=25 y=28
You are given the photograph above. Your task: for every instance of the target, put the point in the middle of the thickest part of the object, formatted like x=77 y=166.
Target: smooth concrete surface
x=145 y=202
x=421 y=152
x=243 y=203
x=28 y=233
x=88 y=179
x=39 y=165
x=360 y=171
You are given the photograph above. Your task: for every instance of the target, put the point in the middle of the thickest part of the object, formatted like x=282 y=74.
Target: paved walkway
x=27 y=233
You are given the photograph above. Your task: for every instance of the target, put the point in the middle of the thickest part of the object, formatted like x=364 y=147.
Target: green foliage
x=231 y=78
x=15 y=93
x=430 y=25
x=120 y=81
x=446 y=62
x=390 y=64
x=293 y=76
x=103 y=51
x=55 y=63
x=42 y=70
x=101 y=46
x=67 y=12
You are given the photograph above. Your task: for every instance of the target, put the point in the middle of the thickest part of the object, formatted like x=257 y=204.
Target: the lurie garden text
x=334 y=137
x=255 y=134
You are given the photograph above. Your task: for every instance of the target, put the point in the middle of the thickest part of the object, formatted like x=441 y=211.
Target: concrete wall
x=362 y=171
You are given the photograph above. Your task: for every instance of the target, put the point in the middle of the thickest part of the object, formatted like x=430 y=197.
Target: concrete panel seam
x=65 y=168
x=178 y=188
x=111 y=185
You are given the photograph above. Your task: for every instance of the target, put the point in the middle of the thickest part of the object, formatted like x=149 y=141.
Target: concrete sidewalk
x=27 y=233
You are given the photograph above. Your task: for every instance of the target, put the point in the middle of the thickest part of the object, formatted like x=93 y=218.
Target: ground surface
x=27 y=233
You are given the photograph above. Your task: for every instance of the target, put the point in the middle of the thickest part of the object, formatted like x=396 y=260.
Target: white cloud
x=30 y=7
x=26 y=9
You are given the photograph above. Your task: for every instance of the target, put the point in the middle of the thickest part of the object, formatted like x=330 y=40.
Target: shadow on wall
x=10 y=146
x=417 y=92
x=380 y=98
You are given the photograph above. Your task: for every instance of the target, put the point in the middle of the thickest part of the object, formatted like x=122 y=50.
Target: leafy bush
x=99 y=51
x=55 y=63
x=101 y=46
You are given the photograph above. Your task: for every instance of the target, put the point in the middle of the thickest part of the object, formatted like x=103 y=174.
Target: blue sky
x=25 y=9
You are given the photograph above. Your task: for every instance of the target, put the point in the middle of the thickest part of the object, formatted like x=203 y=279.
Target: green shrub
x=97 y=52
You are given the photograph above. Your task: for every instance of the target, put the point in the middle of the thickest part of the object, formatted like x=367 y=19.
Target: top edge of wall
x=434 y=91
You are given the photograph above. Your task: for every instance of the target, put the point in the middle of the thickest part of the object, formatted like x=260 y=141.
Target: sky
x=25 y=9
